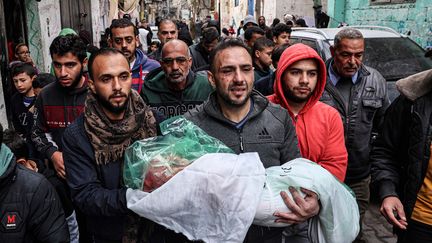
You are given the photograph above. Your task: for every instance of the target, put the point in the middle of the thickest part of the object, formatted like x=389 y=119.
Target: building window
x=236 y=3
x=377 y=2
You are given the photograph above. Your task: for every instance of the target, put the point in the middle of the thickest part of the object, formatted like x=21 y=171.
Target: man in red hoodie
x=300 y=81
x=299 y=84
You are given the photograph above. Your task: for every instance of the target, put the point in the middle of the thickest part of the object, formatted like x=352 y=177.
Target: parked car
x=394 y=55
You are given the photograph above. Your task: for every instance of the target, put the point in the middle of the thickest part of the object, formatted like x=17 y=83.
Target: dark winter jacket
x=97 y=190
x=142 y=66
x=184 y=34
x=261 y=73
x=401 y=153
x=268 y=131
x=265 y=84
x=156 y=94
x=55 y=109
x=156 y=55
x=362 y=118
x=199 y=56
x=30 y=210
x=22 y=116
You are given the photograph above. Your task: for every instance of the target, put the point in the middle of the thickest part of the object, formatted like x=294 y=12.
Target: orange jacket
x=319 y=126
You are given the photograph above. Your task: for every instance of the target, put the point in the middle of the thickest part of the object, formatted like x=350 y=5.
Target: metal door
x=76 y=14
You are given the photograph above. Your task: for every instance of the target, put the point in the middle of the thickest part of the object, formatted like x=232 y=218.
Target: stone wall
x=414 y=18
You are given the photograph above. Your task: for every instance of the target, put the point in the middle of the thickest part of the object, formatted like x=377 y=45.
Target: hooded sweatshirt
x=319 y=126
x=142 y=66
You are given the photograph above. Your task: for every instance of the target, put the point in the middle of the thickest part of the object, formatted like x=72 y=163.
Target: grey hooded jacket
x=268 y=130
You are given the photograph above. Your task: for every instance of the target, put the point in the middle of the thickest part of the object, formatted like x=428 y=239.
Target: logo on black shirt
x=11 y=220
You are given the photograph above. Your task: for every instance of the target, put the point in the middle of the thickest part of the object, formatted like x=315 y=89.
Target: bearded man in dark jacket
x=115 y=116
x=402 y=163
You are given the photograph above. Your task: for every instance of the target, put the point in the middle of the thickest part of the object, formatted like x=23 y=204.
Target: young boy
x=261 y=55
x=154 y=46
x=23 y=101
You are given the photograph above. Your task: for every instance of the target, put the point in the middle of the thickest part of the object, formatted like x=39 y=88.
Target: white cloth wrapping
x=338 y=220
x=216 y=198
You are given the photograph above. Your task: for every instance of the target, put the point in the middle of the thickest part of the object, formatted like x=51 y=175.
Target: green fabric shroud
x=161 y=157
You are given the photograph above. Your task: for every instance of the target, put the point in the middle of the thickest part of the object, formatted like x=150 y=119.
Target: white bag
x=214 y=199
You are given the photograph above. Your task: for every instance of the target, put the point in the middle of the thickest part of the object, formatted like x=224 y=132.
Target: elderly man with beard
x=115 y=116
x=175 y=89
x=56 y=107
x=245 y=121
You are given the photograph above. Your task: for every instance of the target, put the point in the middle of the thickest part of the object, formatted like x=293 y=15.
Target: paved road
x=376 y=228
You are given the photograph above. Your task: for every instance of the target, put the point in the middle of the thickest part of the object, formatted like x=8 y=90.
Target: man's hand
x=57 y=159
x=301 y=208
x=392 y=209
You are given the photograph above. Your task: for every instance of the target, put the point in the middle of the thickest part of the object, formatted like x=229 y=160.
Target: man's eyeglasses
x=24 y=53
x=179 y=60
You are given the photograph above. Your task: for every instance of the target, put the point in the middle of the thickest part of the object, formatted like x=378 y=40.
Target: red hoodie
x=319 y=126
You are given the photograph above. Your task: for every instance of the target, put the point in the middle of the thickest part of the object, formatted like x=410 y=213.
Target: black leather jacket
x=362 y=118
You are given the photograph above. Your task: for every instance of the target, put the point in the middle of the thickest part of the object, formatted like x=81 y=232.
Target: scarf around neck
x=110 y=139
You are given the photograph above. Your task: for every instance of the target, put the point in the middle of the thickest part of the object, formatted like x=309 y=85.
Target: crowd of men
x=61 y=171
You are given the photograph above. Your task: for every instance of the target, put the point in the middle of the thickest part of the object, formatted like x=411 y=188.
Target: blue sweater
x=142 y=66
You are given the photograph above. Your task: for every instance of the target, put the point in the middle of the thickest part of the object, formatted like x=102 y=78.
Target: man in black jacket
x=30 y=210
x=359 y=93
x=402 y=163
x=114 y=117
